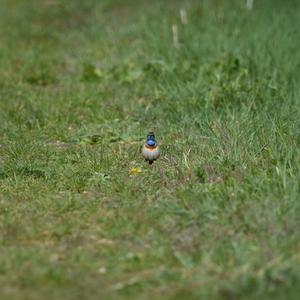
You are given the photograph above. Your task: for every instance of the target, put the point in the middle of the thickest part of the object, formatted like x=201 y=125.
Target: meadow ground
x=82 y=216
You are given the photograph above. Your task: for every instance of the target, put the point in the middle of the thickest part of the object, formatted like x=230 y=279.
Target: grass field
x=82 y=216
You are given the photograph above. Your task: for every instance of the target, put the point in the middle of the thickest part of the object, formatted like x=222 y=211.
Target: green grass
x=81 y=84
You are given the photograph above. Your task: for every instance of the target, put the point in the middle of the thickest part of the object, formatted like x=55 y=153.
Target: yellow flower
x=135 y=171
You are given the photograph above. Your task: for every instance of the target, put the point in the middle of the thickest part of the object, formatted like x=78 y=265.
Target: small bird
x=150 y=150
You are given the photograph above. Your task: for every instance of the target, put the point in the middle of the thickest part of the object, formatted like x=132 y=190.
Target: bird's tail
x=150 y=162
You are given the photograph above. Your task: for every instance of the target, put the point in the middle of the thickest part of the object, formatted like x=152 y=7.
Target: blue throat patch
x=151 y=142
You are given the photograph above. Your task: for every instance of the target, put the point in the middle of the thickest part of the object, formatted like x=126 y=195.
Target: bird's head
x=151 y=142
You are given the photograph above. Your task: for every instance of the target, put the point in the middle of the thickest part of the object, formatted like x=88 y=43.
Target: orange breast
x=151 y=148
